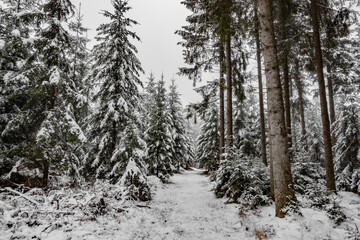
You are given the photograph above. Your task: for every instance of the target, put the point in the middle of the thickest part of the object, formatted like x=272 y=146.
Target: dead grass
x=260 y=234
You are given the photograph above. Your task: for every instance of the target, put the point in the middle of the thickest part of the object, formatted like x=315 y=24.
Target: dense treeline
x=70 y=115
x=308 y=137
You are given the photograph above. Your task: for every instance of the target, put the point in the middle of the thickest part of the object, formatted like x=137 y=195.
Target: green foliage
x=158 y=135
x=244 y=181
x=335 y=213
x=182 y=155
x=208 y=150
x=39 y=122
x=247 y=131
x=113 y=125
x=308 y=174
x=347 y=131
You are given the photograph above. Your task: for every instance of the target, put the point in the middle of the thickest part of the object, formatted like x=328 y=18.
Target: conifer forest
x=92 y=146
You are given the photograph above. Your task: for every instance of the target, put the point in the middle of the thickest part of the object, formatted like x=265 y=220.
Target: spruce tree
x=114 y=125
x=46 y=122
x=284 y=191
x=14 y=51
x=179 y=134
x=158 y=135
x=330 y=175
x=59 y=135
x=347 y=132
x=207 y=143
x=79 y=69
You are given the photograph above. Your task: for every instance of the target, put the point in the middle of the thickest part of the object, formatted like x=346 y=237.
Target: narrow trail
x=186 y=209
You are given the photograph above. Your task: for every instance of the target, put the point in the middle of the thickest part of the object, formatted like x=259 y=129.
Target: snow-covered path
x=185 y=209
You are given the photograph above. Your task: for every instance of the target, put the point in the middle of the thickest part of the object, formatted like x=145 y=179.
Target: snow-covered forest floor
x=184 y=208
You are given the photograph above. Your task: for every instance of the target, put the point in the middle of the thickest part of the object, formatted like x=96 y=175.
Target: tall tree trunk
x=261 y=97
x=222 y=101
x=284 y=192
x=293 y=119
x=330 y=176
x=331 y=104
x=300 y=90
x=229 y=110
x=272 y=182
x=285 y=66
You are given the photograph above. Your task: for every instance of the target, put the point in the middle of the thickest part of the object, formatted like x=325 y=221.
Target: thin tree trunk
x=45 y=173
x=229 y=110
x=272 y=182
x=331 y=104
x=222 y=101
x=285 y=67
x=300 y=90
x=330 y=176
x=261 y=97
x=293 y=119
x=284 y=192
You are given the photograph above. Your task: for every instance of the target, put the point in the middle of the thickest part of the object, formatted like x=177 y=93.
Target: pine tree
x=330 y=175
x=207 y=143
x=284 y=191
x=260 y=83
x=45 y=121
x=347 y=132
x=179 y=135
x=116 y=74
x=59 y=135
x=131 y=170
x=14 y=51
x=158 y=135
x=78 y=56
x=246 y=127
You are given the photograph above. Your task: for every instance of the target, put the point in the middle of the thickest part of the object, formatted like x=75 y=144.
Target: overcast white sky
x=158 y=52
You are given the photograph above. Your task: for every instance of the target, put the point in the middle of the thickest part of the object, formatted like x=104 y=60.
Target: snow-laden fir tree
x=45 y=121
x=347 y=132
x=78 y=56
x=15 y=29
x=208 y=142
x=58 y=136
x=158 y=135
x=132 y=148
x=182 y=153
x=116 y=146
x=247 y=130
x=148 y=101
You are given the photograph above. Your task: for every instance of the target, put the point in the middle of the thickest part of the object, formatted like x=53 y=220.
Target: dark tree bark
x=284 y=192
x=285 y=67
x=222 y=101
x=300 y=91
x=331 y=104
x=272 y=183
x=229 y=110
x=45 y=173
x=293 y=119
x=330 y=176
x=261 y=97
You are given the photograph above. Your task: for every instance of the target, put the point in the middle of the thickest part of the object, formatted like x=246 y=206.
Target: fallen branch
x=143 y=206
x=22 y=195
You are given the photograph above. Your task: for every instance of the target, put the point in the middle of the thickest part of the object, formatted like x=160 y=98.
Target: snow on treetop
x=16 y=33
x=131 y=170
x=2 y=43
x=55 y=76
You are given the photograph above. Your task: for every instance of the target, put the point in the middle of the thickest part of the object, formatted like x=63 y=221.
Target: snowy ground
x=183 y=209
